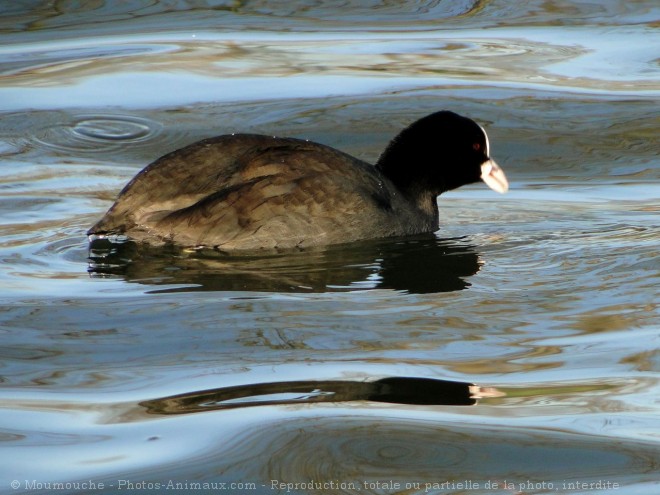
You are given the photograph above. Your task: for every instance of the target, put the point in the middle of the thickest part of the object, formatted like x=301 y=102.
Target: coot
x=248 y=191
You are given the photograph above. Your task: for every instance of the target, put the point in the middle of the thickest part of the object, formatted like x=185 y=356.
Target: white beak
x=494 y=177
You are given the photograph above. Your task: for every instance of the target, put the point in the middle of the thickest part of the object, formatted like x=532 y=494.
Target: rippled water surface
x=514 y=351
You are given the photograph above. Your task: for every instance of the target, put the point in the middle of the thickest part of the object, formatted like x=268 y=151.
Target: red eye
x=476 y=146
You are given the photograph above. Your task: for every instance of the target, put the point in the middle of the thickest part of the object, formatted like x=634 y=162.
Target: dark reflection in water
x=395 y=390
x=420 y=264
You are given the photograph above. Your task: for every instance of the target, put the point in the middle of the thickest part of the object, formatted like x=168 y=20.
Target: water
x=172 y=369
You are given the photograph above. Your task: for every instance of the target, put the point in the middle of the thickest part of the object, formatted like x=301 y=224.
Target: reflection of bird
x=249 y=191
x=416 y=264
x=392 y=390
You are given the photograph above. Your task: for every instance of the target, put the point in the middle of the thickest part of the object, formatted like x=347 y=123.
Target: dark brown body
x=245 y=192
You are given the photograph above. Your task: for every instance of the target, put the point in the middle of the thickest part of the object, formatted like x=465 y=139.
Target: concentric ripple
x=92 y=133
x=361 y=453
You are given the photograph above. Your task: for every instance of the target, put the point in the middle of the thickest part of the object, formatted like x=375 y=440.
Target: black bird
x=248 y=191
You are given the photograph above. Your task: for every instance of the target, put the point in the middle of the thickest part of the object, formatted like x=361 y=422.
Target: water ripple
x=404 y=451
x=93 y=133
